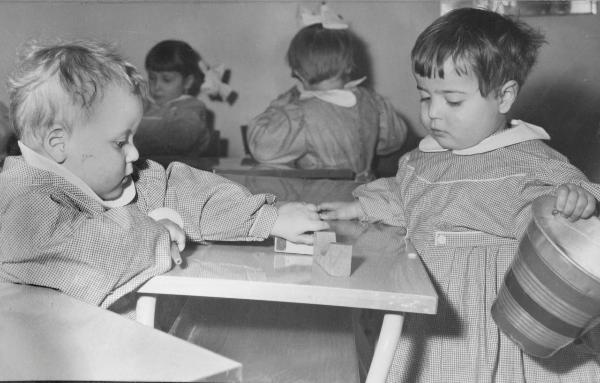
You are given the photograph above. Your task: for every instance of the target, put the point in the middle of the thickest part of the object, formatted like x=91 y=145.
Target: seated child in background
x=6 y=133
x=328 y=120
x=77 y=214
x=175 y=121
x=464 y=196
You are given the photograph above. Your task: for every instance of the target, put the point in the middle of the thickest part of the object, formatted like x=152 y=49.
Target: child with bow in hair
x=328 y=120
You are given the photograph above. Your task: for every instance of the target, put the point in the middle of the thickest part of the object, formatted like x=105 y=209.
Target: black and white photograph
x=289 y=191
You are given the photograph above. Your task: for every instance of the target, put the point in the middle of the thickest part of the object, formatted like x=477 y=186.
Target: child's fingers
x=311 y=207
x=178 y=236
x=574 y=202
x=319 y=225
x=590 y=209
x=306 y=239
x=584 y=207
x=562 y=195
x=325 y=206
x=328 y=215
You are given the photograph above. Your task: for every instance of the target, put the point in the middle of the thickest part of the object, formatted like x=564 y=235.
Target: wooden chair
x=218 y=147
x=244 y=130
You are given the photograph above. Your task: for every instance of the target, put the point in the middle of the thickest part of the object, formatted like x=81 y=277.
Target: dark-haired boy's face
x=100 y=151
x=454 y=112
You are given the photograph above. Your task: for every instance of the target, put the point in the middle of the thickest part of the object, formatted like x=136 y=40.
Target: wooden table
x=248 y=166
x=384 y=275
x=46 y=335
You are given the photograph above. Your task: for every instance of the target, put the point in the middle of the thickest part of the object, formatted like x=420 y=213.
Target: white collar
x=340 y=97
x=38 y=161
x=519 y=132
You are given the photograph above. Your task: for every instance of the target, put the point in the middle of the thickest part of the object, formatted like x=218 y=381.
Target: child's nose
x=434 y=109
x=132 y=154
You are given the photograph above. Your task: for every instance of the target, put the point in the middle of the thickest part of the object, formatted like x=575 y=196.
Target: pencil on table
x=175 y=256
x=410 y=249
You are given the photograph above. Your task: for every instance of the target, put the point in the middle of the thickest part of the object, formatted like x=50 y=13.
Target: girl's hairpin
x=326 y=16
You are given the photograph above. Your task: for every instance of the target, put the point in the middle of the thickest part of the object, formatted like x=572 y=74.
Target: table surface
x=46 y=335
x=383 y=276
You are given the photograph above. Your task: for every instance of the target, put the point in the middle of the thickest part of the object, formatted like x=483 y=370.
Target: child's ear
x=507 y=96
x=55 y=141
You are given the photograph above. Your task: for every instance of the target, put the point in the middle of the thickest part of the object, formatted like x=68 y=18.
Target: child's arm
x=176 y=233
x=50 y=240
x=277 y=134
x=214 y=208
x=574 y=202
x=295 y=219
x=340 y=210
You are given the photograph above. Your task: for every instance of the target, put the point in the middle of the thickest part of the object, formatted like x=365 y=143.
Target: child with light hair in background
x=328 y=120
x=464 y=196
x=79 y=214
x=175 y=121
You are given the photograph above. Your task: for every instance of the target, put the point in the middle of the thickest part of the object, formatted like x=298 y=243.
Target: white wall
x=251 y=37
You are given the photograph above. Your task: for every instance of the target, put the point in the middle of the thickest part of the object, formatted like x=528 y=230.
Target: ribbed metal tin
x=551 y=293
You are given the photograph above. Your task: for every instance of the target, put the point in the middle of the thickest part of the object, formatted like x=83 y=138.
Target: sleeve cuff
x=166 y=213
x=265 y=219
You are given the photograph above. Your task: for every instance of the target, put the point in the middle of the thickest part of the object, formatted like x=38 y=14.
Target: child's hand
x=295 y=219
x=340 y=210
x=574 y=202
x=177 y=234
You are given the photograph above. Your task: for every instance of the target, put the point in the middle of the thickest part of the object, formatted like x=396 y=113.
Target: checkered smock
x=318 y=134
x=465 y=215
x=54 y=235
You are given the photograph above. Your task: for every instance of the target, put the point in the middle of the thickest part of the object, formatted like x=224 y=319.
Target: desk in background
x=384 y=276
x=248 y=166
x=46 y=335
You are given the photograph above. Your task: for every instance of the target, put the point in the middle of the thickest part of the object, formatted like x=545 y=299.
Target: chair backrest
x=218 y=147
x=244 y=130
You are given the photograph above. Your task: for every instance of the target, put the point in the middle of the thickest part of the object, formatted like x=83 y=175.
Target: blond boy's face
x=100 y=151
x=454 y=112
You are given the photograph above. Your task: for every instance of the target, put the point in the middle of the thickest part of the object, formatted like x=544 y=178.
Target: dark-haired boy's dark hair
x=495 y=48
x=176 y=56
x=317 y=53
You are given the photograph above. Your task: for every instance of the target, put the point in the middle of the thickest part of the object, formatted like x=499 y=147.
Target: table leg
x=144 y=309
x=391 y=328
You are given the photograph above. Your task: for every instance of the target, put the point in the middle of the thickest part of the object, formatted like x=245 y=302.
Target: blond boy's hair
x=62 y=83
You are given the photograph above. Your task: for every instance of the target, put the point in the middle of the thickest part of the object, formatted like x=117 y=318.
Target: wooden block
x=322 y=241
x=337 y=260
x=285 y=246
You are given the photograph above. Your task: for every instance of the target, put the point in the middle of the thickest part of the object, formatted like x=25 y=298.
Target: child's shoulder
x=536 y=149
x=20 y=182
x=365 y=94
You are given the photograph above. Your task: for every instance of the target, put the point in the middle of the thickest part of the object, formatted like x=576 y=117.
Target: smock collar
x=38 y=161
x=519 y=132
x=340 y=97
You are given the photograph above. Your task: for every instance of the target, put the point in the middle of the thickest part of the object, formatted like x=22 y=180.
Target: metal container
x=551 y=293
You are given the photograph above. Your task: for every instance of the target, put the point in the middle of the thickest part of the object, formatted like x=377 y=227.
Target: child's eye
x=424 y=99
x=454 y=103
x=120 y=144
